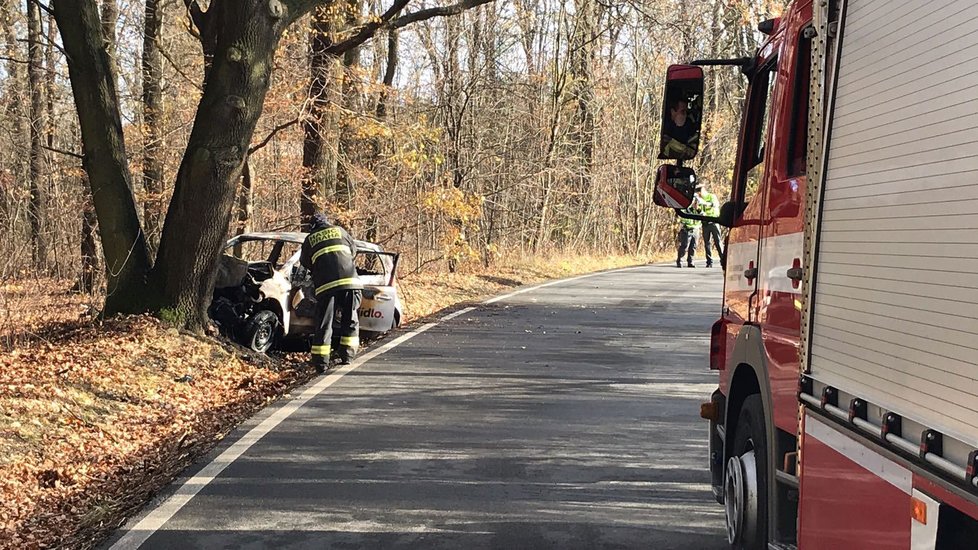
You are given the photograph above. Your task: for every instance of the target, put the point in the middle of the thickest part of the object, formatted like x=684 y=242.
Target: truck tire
x=745 y=479
x=260 y=331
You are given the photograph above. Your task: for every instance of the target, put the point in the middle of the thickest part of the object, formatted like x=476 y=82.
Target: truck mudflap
x=715 y=411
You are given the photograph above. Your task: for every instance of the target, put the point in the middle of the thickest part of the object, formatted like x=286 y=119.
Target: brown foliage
x=94 y=420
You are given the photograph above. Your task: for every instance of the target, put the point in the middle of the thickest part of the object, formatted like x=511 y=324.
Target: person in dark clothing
x=680 y=137
x=686 y=239
x=328 y=253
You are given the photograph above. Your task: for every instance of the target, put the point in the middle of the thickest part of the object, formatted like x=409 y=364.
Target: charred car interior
x=264 y=299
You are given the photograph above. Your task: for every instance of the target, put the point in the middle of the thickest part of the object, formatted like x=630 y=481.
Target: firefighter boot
x=320 y=358
x=690 y=264
x=679 y=263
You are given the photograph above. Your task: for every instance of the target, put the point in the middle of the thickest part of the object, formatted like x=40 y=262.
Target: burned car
x=264 y=298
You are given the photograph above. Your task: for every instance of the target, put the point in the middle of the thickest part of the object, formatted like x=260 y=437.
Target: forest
x=456 y=134
x=476 y=137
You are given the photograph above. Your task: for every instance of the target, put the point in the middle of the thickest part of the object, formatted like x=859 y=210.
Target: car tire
x=745 y=479
x=260 y=331
x=397 y=320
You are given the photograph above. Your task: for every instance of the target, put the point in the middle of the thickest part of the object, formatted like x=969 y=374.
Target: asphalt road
x=563 y=417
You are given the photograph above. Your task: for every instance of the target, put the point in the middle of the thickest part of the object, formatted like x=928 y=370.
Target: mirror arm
x=737 y=62
x=746 y=64
x=698 y=217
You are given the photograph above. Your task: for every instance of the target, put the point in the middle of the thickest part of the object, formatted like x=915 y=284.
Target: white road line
x=451 y=316
x=138 y=534
x=135 y=536
x=557 y=282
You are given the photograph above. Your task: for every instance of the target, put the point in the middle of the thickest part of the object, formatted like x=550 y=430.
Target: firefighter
x=709 y=204
x=686 y=240
x=328 y=253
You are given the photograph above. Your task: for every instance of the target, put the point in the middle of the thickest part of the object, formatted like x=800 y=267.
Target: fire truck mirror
x=674 y=186
x=682 y=113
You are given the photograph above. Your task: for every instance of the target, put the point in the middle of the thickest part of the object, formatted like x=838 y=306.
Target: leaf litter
x=95 y=420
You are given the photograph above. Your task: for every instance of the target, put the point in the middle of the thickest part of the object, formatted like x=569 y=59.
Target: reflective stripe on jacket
x=710 y=204
x=328 y=253
x=688 y=223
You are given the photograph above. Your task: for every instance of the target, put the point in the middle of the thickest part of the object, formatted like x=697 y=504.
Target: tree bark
x=200 y=210
x=93 y=87
x=89 y=248
x=319 y=163
x=153 y=109
x=13 y=105
x=344 y=187
x=110 y=17
x=245 y=199
x=35 y=83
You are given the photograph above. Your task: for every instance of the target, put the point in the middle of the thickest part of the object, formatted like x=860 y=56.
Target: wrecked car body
x=263 y=297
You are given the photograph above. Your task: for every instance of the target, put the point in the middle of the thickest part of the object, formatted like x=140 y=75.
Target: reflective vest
x=688 y=223
x=328 y=253
x=710 y=204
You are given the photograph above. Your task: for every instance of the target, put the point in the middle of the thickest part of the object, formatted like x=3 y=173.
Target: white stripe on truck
x=889 y=471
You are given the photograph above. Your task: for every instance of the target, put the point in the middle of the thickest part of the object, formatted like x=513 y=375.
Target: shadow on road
x=569 y=422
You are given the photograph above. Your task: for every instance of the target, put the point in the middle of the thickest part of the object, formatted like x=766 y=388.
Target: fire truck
x=847 y=345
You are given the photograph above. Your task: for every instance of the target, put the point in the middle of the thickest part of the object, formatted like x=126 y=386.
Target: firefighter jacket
x=328 y=253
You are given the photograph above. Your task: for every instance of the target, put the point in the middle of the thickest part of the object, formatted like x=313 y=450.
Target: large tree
x=239 y=39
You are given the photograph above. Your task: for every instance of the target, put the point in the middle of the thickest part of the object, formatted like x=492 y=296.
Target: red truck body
x=821 y=480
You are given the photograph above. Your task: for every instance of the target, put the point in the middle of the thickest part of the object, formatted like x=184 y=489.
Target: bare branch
x=177 y=68
x=430 y=13
x=268 y=138
x=367 y=31
x=43 y=7
x=63 y=152
x=14 y=60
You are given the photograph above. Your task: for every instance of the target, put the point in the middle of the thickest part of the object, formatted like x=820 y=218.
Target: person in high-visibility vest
x=709 y=204
x=686 y=239
x=328 y=253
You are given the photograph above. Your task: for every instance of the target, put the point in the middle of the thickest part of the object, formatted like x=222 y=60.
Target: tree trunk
x=344 y=187
x=153 y=109
x=325 y=91
x=110 y=18
x=89 y=248
x=245 y=199
x=13 y=106
x=35 y=83
x=200 y=211
x=93 y=87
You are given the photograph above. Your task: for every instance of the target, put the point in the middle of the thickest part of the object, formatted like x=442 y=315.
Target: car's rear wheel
x=745 y=479
x=260 y=331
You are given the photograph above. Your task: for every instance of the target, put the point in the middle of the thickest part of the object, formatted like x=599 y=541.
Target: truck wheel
x=260 y=331
x=745 y=480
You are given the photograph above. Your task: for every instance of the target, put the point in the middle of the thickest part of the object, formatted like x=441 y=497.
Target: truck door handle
x=750 y=273
x=795 y=273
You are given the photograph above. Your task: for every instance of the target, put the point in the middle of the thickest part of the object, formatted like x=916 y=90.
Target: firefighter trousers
x=711 y=233
x=339 y=326
x=686 y=242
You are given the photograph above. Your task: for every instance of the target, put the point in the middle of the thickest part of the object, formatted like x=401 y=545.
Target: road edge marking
x=561 y=281
x=134 y=537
